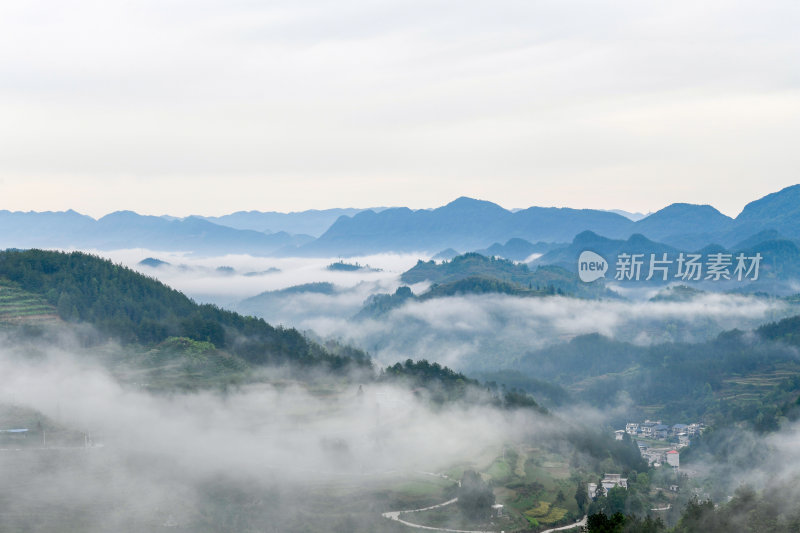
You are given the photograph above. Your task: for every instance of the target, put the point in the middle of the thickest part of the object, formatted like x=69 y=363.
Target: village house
x=660 y=432
x=654 y=456
x=677 y=429
x=608 y=482
x=673 y=459
x=694 y=429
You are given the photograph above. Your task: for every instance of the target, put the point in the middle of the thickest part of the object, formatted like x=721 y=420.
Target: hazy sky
x=214 y=106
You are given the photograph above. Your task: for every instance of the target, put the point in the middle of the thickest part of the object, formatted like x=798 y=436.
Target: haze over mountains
x=312 y=222
x=465 y=224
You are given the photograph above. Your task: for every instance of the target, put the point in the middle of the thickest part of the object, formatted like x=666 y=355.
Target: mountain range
x=126 y=229
x=464 y=224
x=312 y=222
x=467 y=224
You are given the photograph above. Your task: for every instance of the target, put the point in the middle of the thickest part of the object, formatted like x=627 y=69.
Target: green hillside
x=136 y=310
x=484 y=285
x=517 y=276
x=733 y=378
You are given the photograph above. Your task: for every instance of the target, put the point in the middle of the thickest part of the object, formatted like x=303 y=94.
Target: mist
x=206 y=279
x=473 y=332
x=469 y=333
x=281 y=451
x=156 y=460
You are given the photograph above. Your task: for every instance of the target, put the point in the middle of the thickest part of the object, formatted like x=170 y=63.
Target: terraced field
x=19 y=307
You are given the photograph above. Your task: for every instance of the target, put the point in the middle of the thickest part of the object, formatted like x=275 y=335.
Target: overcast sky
x=209 y=107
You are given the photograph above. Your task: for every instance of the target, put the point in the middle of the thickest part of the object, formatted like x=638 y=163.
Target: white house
x=673 y=458
x=647 y=428
x=694 y=429
x=607 y=483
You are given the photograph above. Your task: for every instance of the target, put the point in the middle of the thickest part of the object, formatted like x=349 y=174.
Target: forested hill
x=738 y=377
x=546 y=278
x=132 y=308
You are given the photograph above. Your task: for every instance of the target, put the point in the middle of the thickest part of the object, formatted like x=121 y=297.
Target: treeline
x=786 y=330
x=486 y=285
x=685 y=381
x=619 y=523
x=132 y=308
x=550 y=278
x=747 y=512
x=378 y=305
x=442 y=383
x=446 y=385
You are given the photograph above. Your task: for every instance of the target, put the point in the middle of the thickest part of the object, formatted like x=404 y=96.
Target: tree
x=66 y=309
x=615 y=500
x=475 y=496
x=581 y=495
x=600 y=523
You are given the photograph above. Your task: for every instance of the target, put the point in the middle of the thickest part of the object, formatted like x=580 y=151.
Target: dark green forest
x=508 y=276
x=130 y=308
x=737 y=377
x=748 y=511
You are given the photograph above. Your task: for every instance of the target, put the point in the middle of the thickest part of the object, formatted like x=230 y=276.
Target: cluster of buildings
x=677 y=436
x=660 y=456
x=680 y=434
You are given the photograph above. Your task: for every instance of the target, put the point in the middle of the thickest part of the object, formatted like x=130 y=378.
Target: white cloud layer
x=213 y=106
x=465 y=332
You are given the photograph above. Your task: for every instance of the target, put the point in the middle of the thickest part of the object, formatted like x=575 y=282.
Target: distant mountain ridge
x=469 y=224
x=465 y=224
x=778 y=267
x=777 y=211
x=312 y=222
x=517 y=249
x=126 y=229
x=684 y=225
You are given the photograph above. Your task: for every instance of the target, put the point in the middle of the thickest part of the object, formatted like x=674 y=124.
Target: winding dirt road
x=581 y=523
x=395 y=515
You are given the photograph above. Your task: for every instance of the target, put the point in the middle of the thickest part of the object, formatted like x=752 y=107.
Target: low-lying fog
x=280 y=457
x=292 y=457
x=229 y=279
x=270 y=430
x=467 y=332
x=269 y=454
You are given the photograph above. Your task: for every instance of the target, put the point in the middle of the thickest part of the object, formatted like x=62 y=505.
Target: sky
x=209 y=107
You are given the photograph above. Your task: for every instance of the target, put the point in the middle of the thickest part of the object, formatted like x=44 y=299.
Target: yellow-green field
x=19 y=307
